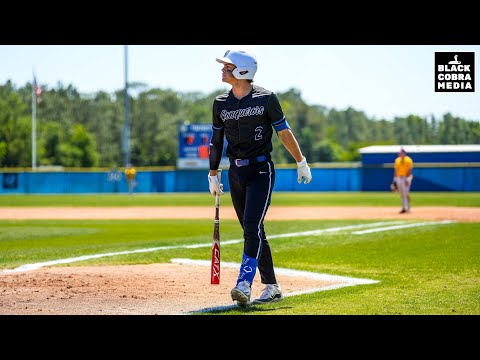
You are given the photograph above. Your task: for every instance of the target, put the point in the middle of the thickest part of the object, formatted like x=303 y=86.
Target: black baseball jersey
x=247 y=124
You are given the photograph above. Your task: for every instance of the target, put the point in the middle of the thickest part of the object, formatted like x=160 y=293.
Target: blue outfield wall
x=324 y=179
x=425 y=179
x=423 y=157
x=343 y=179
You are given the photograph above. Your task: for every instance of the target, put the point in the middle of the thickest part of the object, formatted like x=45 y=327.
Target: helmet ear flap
x=241 y=74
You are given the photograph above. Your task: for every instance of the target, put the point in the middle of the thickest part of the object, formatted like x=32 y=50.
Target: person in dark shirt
x=247 y=115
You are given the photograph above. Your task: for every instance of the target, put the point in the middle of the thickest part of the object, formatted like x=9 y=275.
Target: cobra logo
x=247 y=269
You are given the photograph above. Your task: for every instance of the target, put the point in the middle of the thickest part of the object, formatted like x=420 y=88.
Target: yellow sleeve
x=397 y=163
x=409 y=162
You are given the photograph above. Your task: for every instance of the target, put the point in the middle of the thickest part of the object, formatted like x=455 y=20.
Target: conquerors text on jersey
x=237 y=114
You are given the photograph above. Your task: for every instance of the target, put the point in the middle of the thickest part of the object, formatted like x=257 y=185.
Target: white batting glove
x=214 y=185
x=303 y=171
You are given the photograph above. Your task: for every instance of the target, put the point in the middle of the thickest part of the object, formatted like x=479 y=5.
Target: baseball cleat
x=242 y=305
x=271 y=293
x=241 y=293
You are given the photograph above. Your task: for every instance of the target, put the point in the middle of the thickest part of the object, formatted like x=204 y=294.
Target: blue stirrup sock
x=247 y=269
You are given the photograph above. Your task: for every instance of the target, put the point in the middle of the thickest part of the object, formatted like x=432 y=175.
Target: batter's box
x=293 y=282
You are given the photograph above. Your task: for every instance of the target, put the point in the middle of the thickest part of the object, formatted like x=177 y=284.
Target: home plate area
x=293 y=282
x=178 y=288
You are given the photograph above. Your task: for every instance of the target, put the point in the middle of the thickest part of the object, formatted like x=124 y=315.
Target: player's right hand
x=214 y=185
x=303 y=171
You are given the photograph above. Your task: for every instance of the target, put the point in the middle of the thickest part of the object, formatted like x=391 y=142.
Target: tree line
x=85 y=130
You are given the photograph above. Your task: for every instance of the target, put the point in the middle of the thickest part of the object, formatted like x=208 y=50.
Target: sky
x=384 y=81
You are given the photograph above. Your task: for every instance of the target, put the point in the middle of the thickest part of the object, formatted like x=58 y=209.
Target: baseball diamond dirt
x=161 y=289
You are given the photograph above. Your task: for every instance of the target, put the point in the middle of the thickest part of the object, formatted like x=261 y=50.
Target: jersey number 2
x=258 y=132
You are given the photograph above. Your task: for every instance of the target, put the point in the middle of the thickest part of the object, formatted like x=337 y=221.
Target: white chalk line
x=293 y=293
x=341 y=281
x=403 y=226
x=302 y=233
x=39 y=265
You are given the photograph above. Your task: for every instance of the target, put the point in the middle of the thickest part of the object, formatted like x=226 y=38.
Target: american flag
x=38 y=90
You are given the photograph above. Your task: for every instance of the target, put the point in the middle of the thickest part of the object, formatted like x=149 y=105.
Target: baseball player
x=247 y=115
x=131 y=175
x=403 y=176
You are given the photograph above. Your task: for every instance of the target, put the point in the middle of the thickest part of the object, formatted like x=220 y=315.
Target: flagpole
x=34 y=125
x=126 y=129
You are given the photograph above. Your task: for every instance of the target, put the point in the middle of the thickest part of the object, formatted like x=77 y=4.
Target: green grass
x=278 y=199
x=422 y=270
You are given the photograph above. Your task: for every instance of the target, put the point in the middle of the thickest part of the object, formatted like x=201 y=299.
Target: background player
x=131 y=175
x=403 y=177
x=247 y=116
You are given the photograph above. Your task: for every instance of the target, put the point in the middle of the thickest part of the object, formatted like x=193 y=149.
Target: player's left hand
x=303 y=171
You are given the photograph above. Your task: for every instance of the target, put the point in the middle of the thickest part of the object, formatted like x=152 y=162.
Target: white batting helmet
x=245 y=62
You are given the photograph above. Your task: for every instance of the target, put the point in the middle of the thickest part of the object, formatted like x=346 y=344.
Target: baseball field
x=147 y=254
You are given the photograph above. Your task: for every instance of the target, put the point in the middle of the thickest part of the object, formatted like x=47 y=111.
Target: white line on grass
x=321 y=231
x=402 y=227
x=36 y=266
x=341 y=281
x=303 y=233
x=39 y=265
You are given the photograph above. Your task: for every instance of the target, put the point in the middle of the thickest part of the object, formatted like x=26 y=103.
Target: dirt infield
x=158 y=289
x=274 y=213
x=161 y=289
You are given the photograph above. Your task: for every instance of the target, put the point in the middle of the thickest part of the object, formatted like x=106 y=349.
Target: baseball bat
x=215 y=270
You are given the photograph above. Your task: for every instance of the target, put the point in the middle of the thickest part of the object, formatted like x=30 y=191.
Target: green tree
x=15 y=129
x=49 y=144
x=327 y=151
x=97 y=120
x=79 y=150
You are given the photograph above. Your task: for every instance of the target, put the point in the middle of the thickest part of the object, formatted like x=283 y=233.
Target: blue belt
x=246 y=162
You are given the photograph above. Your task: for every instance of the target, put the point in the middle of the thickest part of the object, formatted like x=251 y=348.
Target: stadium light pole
x=126 y=125
x=34 y=123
